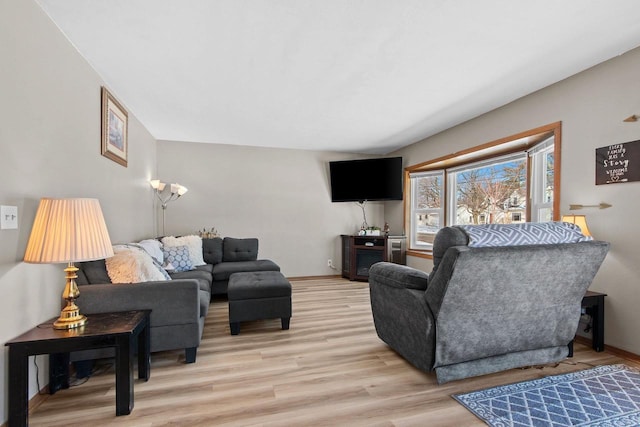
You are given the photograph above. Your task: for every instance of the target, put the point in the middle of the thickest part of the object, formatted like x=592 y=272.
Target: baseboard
x=622 y=353
x=39 y=398
x=610 y=349
x=300 y=278
x=420 y=254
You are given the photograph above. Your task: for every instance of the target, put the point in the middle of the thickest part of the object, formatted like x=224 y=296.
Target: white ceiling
x=361 y=76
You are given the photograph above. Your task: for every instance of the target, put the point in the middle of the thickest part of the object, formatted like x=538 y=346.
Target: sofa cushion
x=224 y=270
x=212 y=250
x=194 y=243
x=207 y=267
x=153 y=248
x=178 y=257
x=132 y=264
x=95 y=272
x=239 y=249
x=203 y=277
x=82 y=278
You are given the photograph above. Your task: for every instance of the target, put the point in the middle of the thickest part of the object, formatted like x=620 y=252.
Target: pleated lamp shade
x=68 y=231
x=580 y=221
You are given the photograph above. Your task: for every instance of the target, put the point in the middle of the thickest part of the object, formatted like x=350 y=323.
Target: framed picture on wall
x=114 y=129
x=618 y=163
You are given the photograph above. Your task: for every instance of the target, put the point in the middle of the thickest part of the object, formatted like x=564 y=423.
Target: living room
x=50 y=136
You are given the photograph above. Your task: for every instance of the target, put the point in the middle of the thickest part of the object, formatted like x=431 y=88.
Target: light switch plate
x=8 y=217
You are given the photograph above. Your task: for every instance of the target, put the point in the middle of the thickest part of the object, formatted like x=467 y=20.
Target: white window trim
x=537 y=184
x=416 y=211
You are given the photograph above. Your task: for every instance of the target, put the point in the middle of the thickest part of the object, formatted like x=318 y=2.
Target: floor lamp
x=175 y=192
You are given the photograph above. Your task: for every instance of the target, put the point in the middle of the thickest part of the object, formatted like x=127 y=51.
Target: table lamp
x=579 y=220
x=68 y=231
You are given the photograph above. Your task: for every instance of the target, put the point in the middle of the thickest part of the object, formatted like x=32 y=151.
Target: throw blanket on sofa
x=132 y=264
x=528 y=233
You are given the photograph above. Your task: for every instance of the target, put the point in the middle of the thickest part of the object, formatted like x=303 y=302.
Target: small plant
x=208 y=234
x=372 y=231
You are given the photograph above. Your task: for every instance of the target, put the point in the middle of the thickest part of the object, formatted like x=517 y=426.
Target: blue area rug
x=603 y=396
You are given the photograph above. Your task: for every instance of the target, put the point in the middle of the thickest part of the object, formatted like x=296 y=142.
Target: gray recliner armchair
x=490 y=303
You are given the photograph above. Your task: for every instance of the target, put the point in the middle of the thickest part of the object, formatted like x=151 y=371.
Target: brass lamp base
x=70 y=316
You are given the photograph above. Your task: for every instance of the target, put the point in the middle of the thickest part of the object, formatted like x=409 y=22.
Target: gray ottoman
x=258 y=295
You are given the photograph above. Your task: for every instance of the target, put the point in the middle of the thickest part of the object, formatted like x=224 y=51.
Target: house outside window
x=512 y=180
x=487 y=189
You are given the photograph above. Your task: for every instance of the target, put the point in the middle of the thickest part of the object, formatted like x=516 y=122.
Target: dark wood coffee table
x=116 y=330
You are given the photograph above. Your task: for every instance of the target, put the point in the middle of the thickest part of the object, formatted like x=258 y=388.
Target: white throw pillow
x=153 y=248
x=132 y=264
x=194 y=243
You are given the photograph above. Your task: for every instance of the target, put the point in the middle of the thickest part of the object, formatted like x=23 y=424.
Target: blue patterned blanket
x=528 y=233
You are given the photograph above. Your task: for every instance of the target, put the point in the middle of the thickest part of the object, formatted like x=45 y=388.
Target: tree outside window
x=490 y=193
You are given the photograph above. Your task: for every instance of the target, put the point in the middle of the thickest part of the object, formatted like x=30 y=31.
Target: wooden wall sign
x=618 y=163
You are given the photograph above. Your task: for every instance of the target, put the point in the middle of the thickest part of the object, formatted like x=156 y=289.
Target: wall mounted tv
x=366 y=179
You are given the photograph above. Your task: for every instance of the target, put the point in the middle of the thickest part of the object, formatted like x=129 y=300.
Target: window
x=487 y=189
x=427 y=209
x=543 y=178
x=506 y=181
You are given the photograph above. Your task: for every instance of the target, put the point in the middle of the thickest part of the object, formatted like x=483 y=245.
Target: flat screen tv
x=366 y=179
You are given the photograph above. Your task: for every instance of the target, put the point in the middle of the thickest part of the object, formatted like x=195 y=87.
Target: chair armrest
x=173 y=302
x=400 y=313
x=398 y=276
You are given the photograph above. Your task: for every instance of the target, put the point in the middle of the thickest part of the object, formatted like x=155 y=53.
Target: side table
x=593 y=302
x=101 y=330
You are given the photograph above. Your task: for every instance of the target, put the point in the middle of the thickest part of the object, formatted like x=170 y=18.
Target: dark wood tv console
x=359 y=253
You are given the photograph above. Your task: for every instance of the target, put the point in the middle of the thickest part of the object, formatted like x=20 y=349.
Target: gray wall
x=280 y=196
x=591 y=106
x=50 y=147
x=50 y=142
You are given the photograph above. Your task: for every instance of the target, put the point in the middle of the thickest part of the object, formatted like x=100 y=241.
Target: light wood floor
x=329 y=369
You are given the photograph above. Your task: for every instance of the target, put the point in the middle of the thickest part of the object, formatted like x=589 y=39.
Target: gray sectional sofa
x=179 y=306
x=229 y=255
x=488 y=305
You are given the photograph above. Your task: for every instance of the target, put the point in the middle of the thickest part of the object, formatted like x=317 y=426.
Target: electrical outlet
x=8 y=217
x=329 y=263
